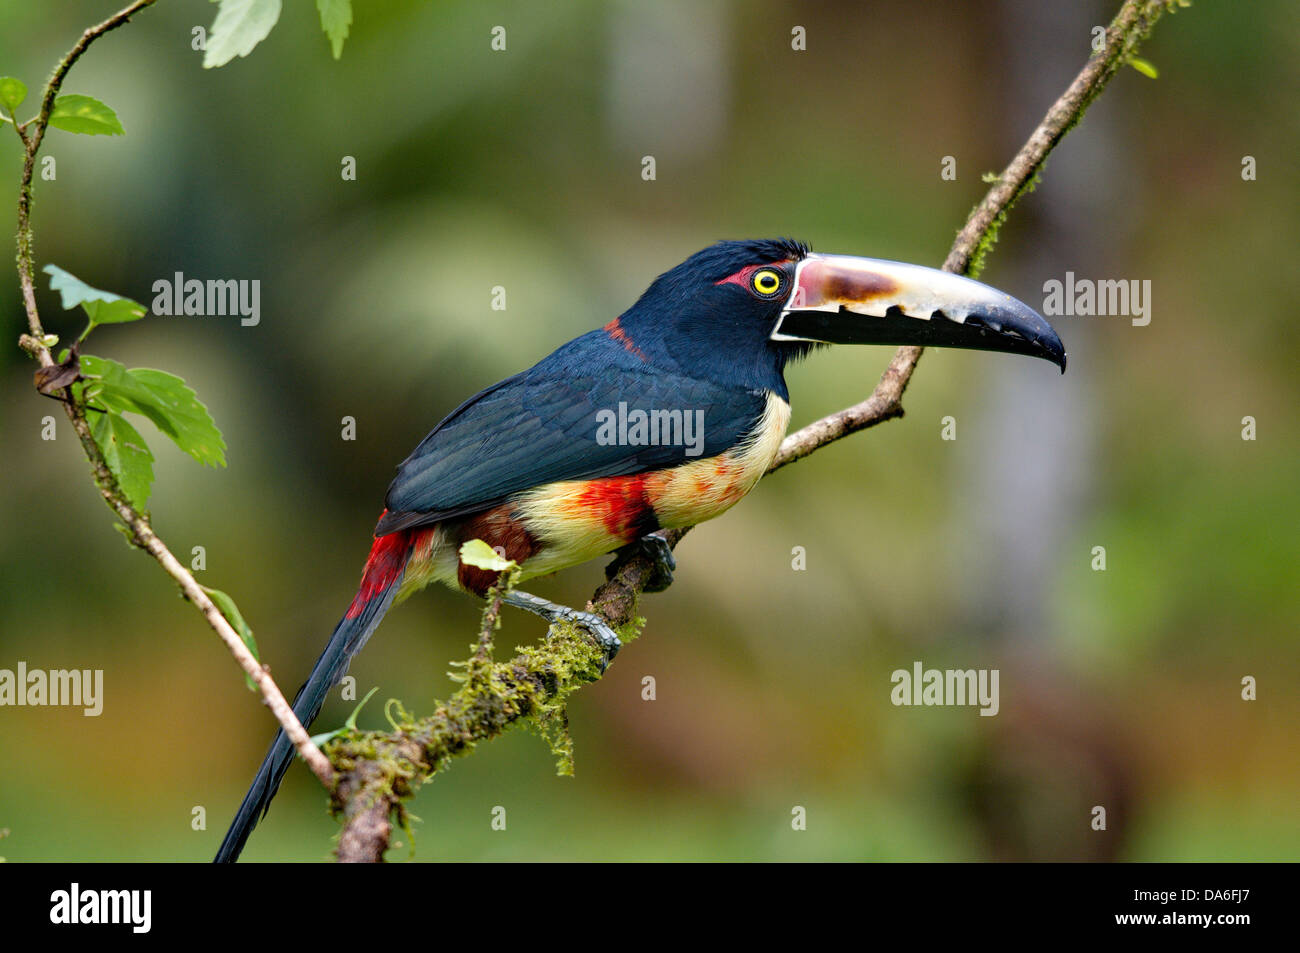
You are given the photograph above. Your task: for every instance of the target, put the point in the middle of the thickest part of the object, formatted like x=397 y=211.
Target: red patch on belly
x=620 y=503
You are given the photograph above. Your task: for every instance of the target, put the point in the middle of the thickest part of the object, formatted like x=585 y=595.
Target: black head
x=712 y=316
x=738 y=311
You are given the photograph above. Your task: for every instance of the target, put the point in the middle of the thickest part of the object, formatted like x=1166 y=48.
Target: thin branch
x=31 y=145
x=32 y=133
x=378 y=778
x=378 y=772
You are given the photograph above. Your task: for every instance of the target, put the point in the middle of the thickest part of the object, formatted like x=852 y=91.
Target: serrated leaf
x=482 y=556
x=196 y=432
x=102 y=307
x=109 y=383
x=86 y=115
x=112 y=379
x=165 y=399
x=236 y=619
x=1143 y=67
x=126 y=454
x=335 y=19
x=240 y=25
x=13 y=92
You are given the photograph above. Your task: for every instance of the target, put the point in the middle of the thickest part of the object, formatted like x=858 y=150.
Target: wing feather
x=541 y=426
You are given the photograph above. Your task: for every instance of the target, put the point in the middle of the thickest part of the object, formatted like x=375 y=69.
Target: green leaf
x=479 y=554
x=196 y=432
x=1143 y=67
x=335 y=19
x=236 y=620
x=127 y=456
x=14 y=91
x=85 y=115
x=349 y=725
x=109 y=380
x=165 y=399
x=102 y=307
x=240 y=25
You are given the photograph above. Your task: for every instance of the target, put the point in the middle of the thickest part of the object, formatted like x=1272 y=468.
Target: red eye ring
x=749 y=279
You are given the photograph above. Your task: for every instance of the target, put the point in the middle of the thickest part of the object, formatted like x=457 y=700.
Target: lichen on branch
x=379 y=771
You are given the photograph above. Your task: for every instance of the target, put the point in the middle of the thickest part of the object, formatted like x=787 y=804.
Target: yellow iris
x=766 y=281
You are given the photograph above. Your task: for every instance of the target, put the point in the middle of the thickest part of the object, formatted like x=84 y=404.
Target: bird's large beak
x=838 y=299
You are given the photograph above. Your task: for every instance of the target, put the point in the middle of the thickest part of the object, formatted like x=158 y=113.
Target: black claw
x=661 y=554
x=656 y=549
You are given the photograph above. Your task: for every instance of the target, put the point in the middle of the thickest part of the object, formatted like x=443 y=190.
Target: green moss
x=990 y=236
x=530 y=690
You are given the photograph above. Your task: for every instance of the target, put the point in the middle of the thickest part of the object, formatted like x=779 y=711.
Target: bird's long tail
x=379 y=583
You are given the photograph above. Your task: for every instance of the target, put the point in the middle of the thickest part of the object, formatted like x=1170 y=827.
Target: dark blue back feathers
x=687 y=344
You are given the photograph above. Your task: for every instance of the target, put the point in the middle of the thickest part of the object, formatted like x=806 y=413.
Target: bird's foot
x=656 y=549
x=553 y=612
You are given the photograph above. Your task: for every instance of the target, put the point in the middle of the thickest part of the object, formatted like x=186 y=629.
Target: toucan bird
x=664 y=417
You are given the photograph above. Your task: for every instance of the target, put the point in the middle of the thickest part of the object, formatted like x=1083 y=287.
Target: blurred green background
x=522 y=169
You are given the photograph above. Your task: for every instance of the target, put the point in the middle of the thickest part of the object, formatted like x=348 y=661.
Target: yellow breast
x=577 y=520
x=700 y=490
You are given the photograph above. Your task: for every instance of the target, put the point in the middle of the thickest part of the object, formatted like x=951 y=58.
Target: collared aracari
x=526 y=466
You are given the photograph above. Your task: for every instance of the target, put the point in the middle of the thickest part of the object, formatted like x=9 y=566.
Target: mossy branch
x=139 y=530
x=378 y=772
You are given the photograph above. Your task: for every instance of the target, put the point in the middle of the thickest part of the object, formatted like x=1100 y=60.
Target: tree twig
x=379 y=771
x=32 y=133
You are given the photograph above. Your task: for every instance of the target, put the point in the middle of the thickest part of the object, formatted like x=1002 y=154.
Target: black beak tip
x=1057 y=351
x=1049 y=344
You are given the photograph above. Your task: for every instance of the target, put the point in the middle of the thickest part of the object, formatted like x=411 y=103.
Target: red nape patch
x=621 y=504
x=387 y=559
x=615 y=330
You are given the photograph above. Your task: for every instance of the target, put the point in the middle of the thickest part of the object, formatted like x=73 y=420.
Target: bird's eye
x=766 y=282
